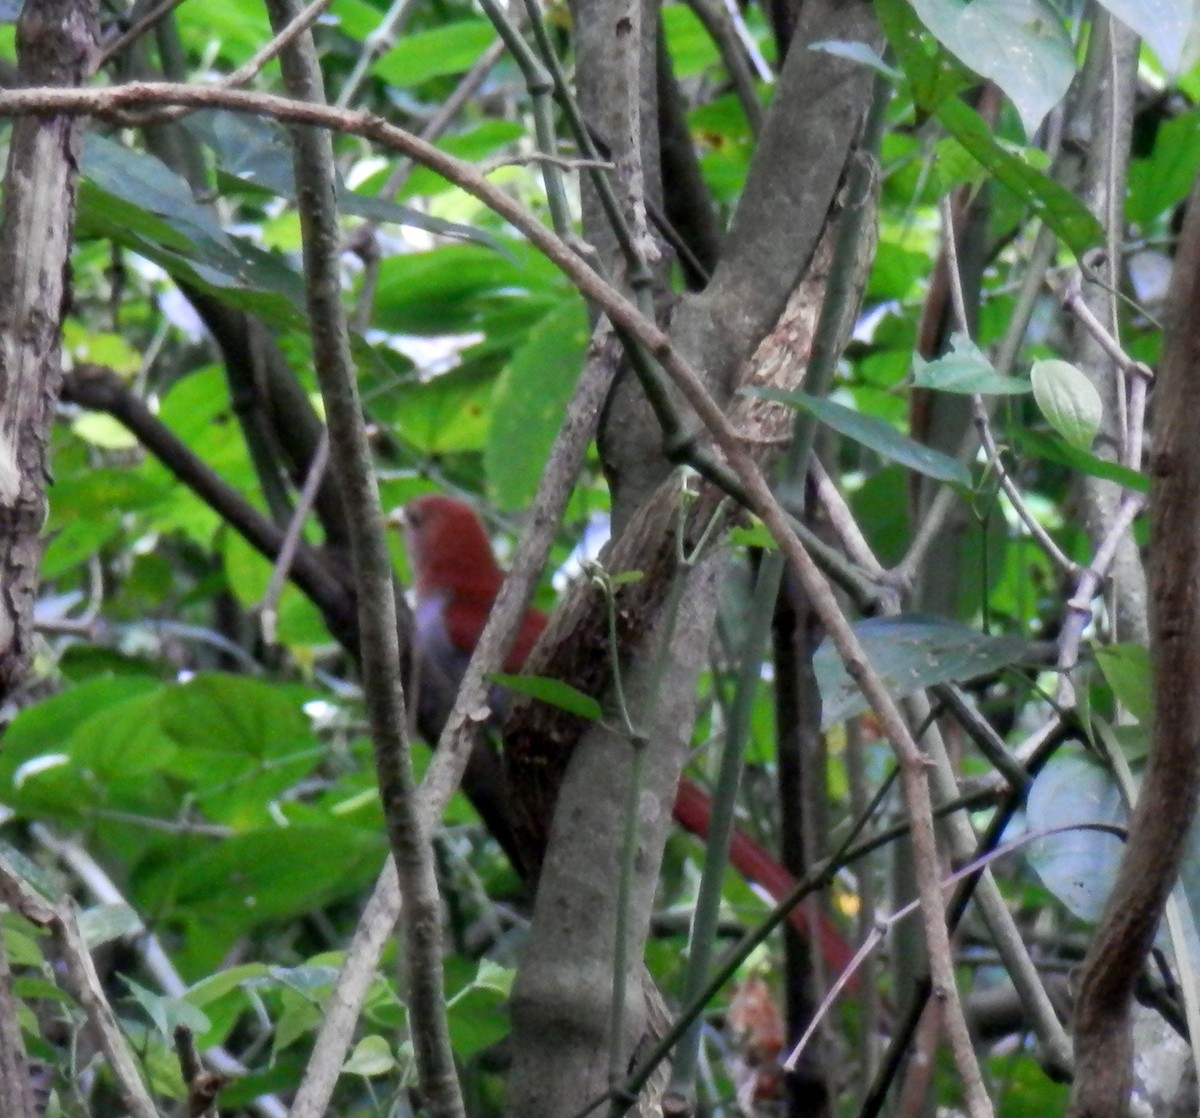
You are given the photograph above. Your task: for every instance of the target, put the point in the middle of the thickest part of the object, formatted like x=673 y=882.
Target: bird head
x=448 y=549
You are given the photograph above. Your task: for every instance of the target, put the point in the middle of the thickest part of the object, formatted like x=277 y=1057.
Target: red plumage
x=457 y=579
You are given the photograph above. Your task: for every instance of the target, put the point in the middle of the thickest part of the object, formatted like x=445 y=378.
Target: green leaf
x=910 y=653
x=554 y=692
x=372 y=1056
x=452 y=289
x=1164 y=24
x=529 y=403
x=1055 y=450
x=452 y=49
x=263 y=875
x=860 y=53
x=1162 y=181
x=167 y=1013
x=216 y=986
x=933 y=73
x=1078 y=867
x=1068 y=400
x=474 y=145
x=691 y=46
x=104 y=923
x=34 y=753
x=446 y=415
x=965 y=369
x=1058 y=207
x=1021 y=45
x=874 y=433
x=152 y=187
x=256 y=153
x=135 y=200
x=1127 y=669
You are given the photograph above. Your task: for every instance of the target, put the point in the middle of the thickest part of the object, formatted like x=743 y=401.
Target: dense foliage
x=189 y=757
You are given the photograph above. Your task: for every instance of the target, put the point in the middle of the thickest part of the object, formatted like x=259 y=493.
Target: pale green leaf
x=1068 y=400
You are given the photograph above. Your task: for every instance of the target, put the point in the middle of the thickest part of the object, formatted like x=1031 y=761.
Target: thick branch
x=56 y=40
x=1167 y=801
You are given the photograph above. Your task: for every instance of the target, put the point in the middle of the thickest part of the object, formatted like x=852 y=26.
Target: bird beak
x=397 y=518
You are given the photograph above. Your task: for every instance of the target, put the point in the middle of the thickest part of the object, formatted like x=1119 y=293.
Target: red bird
x=457 y=580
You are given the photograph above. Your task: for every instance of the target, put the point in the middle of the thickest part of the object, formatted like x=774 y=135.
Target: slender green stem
x=540 y=85
x=716 y=854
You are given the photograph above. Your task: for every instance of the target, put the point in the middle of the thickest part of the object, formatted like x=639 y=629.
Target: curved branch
x=1166 y=805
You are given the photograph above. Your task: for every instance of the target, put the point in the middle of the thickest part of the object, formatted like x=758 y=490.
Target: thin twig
x=540 y=86
x=135 y=32
x=16 y=1087
x=884 y=924
x=461 y=729
x=1079 y=605
x=203 y=1086
x=268 y=608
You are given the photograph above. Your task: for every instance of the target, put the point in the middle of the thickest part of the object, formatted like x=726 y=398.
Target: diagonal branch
x=350 y=455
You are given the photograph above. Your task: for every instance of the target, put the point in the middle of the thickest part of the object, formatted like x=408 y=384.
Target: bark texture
x=1167 y=801
x=740 y=331
x=55 y=41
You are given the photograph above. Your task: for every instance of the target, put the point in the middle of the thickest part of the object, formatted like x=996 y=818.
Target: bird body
x=457 y=579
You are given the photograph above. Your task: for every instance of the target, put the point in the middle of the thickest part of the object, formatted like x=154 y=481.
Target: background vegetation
x=920 y=258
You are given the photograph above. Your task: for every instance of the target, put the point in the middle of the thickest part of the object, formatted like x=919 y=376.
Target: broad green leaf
x=1068 y=400
x=965 y=369
x=933 y=73
x=554 y=692
x=529 y=403
x=215 y=986
x=447 y=414
x=452 y=49
x=1162 y=180
x=910 y=653
x=21 y=945
x=879 y=436
x=454 y=288
x=135 y=200
x=1164 y=24
x=75 y=543
x=1127 y=669
x=372 y=1056
x=355 y=18
x=151 y=186
x=240 y=27
x=263 y=875
x=1078 y=867
x=1021 y=45
x=475 y=145
x=494 y=976
x=238 y=743
x=478 y=1020
x=107 y=751
x=248 y=574
x=101 y=348
x=691 y=46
